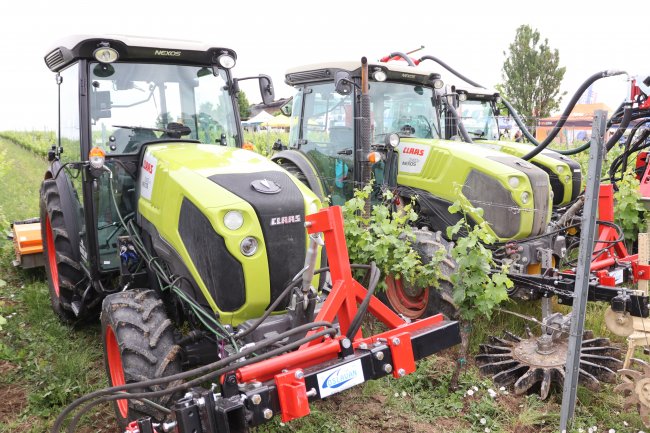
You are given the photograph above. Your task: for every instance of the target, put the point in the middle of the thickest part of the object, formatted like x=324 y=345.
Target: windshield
x=133 y=103
x=478 y=118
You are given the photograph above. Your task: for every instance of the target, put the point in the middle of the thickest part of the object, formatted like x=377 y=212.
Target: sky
x=270 y=37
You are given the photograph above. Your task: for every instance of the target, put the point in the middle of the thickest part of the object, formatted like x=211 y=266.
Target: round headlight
x=233 y=219
x=462 y=97
x=437 y=84
x=560 y=169
x=567 y=179
x=513 y=181
x=226 y=61
x=313 y=207
x=248 y=246
x=392 y=140
x=379 y=75
x=105 y=55
x=525 y=197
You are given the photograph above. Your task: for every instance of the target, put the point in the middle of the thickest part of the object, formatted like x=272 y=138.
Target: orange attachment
x=27 y=239
x=97 y=151
x=248 y=146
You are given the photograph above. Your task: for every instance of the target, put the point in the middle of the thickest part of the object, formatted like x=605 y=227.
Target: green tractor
x=326 y=151
x=159 y=125
x=478 y=110
x=195 y=251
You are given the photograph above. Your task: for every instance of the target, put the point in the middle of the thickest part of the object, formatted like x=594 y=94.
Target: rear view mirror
x=101 y=104
x=342 y=83
x=266 y=89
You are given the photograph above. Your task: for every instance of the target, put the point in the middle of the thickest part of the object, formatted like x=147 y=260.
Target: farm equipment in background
x=326 y=150
x=200 y=255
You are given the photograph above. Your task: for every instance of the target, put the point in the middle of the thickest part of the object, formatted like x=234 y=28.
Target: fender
x=305 y=166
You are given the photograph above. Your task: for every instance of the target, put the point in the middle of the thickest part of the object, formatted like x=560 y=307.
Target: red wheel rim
x=411 y=306
x=114 y=359
x=51 y=256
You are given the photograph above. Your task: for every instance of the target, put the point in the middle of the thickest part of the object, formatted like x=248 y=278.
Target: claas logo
x=413 y=151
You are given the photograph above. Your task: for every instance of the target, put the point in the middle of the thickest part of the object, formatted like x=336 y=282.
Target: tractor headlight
x=379 y=75
x=105 y=54
x=567 y=179
x=313 y=207
x=525 y=196
x=226 y=61
x=233 y=219
x=560 y=169
x=513 y=181
x=248 y=246
x=392 y=140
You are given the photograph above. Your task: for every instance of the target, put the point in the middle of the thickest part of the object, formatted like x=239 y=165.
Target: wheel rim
x=116 y=371
x=411 y=305
x=51 y=256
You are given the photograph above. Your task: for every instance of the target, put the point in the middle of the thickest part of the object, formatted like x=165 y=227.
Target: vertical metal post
x=581 y=290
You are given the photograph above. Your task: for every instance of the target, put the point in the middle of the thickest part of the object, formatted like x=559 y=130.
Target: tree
x=532 y=75
x=244 y=105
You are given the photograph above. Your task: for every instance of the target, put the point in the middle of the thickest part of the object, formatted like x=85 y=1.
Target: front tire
x=139 y=344
x=63 y=271
x=420 y=302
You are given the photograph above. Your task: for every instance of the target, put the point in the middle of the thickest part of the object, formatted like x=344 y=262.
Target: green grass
x=52 y=364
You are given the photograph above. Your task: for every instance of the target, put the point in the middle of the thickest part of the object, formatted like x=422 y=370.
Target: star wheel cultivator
x=636 y=388
x=537 y=363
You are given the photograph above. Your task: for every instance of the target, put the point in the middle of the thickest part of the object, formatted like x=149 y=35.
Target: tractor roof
x=326 y=71
x=135 y=49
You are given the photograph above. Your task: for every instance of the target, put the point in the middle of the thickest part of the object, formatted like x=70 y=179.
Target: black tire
x=420 y=302
x=139 y=344
x=63 y=271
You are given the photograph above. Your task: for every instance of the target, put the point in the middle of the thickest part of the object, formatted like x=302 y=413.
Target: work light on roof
x=379 y=75
x=105 y=54
x=226 y=61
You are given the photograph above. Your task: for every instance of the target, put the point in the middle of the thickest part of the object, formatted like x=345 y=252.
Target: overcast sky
x=270 y=36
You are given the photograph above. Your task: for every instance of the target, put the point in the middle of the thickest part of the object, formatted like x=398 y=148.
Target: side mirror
x=287 y=108
x=342 y=83
x=266 y=89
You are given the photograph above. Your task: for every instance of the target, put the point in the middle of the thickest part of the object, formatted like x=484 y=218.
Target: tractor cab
x=118 y=95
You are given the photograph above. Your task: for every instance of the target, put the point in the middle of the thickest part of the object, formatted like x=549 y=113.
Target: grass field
x=45 y=365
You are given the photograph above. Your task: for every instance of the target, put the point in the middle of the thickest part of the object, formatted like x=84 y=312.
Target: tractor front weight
x=286 y=384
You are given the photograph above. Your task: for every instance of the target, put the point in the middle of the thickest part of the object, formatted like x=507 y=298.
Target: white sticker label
x=147 y=175
x=340 y=378
x=412 y=157
x=618 y=276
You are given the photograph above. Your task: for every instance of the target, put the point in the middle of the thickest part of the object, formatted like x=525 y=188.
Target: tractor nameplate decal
x=290 y=219
x=412 y=157
x=340 y=378
x=147 y=175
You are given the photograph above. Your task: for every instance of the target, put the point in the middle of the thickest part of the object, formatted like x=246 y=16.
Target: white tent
x=259 y=118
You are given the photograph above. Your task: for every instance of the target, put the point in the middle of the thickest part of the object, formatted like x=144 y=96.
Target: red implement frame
x=342 y=303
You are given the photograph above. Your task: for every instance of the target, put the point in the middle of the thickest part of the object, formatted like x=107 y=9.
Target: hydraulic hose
x=563 y=118
x=403 y=56
x=461 y=127
x=207 y=371
x=565 y=114
x=355 y=324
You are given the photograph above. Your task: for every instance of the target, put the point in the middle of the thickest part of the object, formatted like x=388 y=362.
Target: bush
x=263 y=141
x=38 y=142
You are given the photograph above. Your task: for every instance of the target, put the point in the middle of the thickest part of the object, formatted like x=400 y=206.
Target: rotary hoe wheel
x=535 y=364
x=636 y=388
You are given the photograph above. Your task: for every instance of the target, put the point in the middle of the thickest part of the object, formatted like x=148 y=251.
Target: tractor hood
x=514 y=194
x=564 y=173
x=186 y=192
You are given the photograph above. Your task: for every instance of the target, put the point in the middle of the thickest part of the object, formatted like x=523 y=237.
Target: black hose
x=461 y=126
x=355 y=324
x=450 y=69
x=567 y=111
x=402 y=55
x=517 y=118
x=207 y=370
x=198 y=380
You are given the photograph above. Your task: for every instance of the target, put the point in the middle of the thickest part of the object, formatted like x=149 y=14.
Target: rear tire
x=420 y=302
x=62 y=269
x=139 y=344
